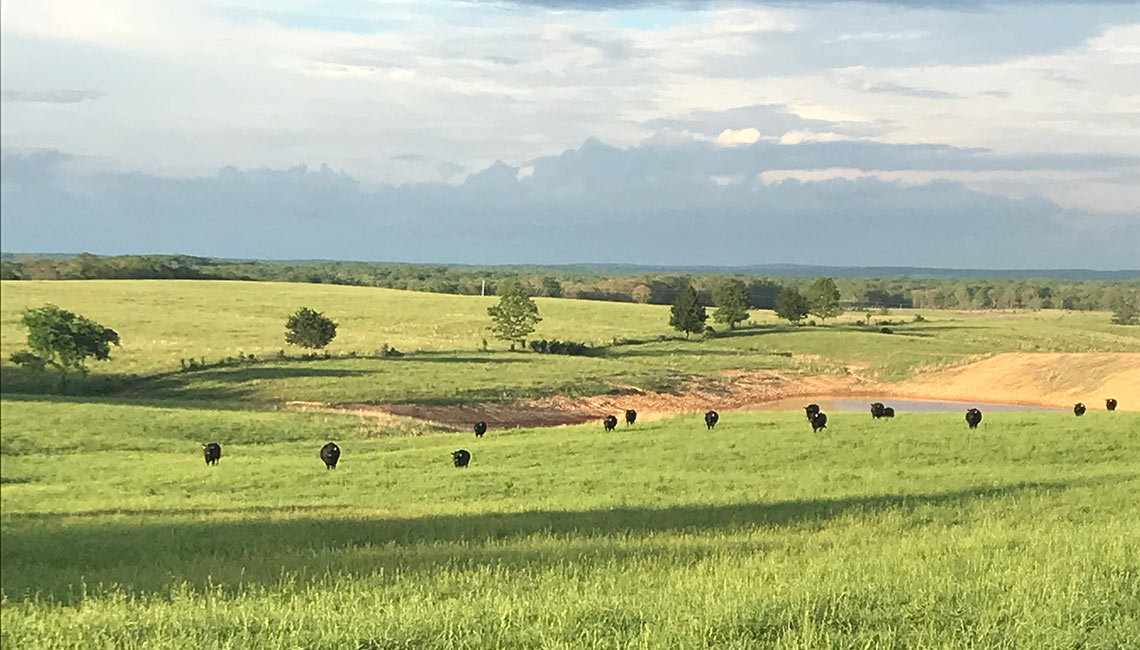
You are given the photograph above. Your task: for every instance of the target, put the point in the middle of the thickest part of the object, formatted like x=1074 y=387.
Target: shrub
x=309 y=329
x=571 y=348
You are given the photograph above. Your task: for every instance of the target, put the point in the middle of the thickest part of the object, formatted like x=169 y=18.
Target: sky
x=953 y=134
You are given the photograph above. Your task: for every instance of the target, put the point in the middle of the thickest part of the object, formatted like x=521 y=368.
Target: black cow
x=212 y=452
x=711 y=418
x=973 y=418
x=480 y=429
x=1110 y=404
x=810 y=410
x=1079 y=409
x=877 y=410
x=610 y=422
x=819 y=421
x=888 y=412
x=461 y=457
x=330 y=453
x=630 y=416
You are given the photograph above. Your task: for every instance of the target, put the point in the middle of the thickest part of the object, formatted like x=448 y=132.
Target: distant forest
x=904 y=287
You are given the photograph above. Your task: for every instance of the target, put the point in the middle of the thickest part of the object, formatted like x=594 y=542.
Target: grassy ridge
x=164 y=321
x=913 y=533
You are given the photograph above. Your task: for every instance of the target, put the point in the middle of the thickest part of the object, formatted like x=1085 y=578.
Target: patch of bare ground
x=1045 y=379
x=1040 y=378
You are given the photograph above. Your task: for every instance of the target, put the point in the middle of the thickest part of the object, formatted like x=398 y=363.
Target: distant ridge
x=879 y=271
x=775 y=270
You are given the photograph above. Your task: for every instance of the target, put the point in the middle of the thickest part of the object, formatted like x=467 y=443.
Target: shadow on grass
x=17 y=380
x=911 y=328
x=45 y=554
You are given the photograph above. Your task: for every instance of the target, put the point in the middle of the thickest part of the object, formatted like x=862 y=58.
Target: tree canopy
x=731 y=302
x=823 y=296
x=791 y=305
x=63 y=340
x=1126 y=307
x=552 y=287
x=309 y=329
x=515 y=316
x=688 y=314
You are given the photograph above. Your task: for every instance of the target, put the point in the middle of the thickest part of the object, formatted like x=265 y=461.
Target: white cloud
x=738 y=136
x=796 y=137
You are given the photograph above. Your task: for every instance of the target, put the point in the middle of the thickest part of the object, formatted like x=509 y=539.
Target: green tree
x=1125 y=304
x=63 y=340
x=823 y=296
x=762 y=294
x=309 y=329
x=688 y=314
x=731 y=302
x=552 y=287
x=791 y=305
x=515 y=316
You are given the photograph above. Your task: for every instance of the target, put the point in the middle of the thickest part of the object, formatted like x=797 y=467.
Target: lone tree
x=515 y=316
x=731 y=303
x=688 y=314
x=309 y=329
x=63 y=340
x=791 y=305
x=824 y=298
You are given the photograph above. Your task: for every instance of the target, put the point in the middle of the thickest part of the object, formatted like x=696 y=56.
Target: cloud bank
x=595 y=203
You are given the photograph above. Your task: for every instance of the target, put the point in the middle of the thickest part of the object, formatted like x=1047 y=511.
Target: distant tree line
x=758 y=292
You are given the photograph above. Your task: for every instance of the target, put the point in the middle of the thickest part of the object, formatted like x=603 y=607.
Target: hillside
x=442 y=337
x=914 y=532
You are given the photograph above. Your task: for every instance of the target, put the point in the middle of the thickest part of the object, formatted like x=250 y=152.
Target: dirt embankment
x=1046 y=379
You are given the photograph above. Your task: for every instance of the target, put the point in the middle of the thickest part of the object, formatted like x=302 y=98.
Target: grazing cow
x=330 y=453
x=212 y=452
x=1110 y=404
x=461 y=457
x=819 y=421
x=711 y=418
x=877 y=410
x=888 y=412
x=610 y=422
x=630 y=416
x=973 y=418
x=480 y=429
x=810 y=410
x=1079 y=409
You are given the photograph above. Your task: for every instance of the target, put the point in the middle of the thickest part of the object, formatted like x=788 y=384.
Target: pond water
x=848 y=403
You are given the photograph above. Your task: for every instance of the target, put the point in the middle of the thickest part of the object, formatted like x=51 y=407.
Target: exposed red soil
x=1045 y=379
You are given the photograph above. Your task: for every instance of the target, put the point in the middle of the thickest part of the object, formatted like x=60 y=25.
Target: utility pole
x=483 y=292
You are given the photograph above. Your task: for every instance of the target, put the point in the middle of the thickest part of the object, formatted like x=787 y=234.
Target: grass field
x=911 y=533
x=161 y=322
x=907 y=534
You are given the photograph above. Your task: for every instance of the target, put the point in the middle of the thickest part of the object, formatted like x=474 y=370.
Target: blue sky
x=585 y=131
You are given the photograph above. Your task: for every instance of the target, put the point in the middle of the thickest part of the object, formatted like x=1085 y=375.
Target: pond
x=847 y=403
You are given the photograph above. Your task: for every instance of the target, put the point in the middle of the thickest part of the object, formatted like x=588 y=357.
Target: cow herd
x=330 y=453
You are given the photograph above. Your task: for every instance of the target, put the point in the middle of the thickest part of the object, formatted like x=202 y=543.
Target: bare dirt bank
x=1042 y=379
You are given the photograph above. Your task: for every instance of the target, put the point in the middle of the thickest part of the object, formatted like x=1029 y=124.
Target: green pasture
x=162 y=322
x=912 y=533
